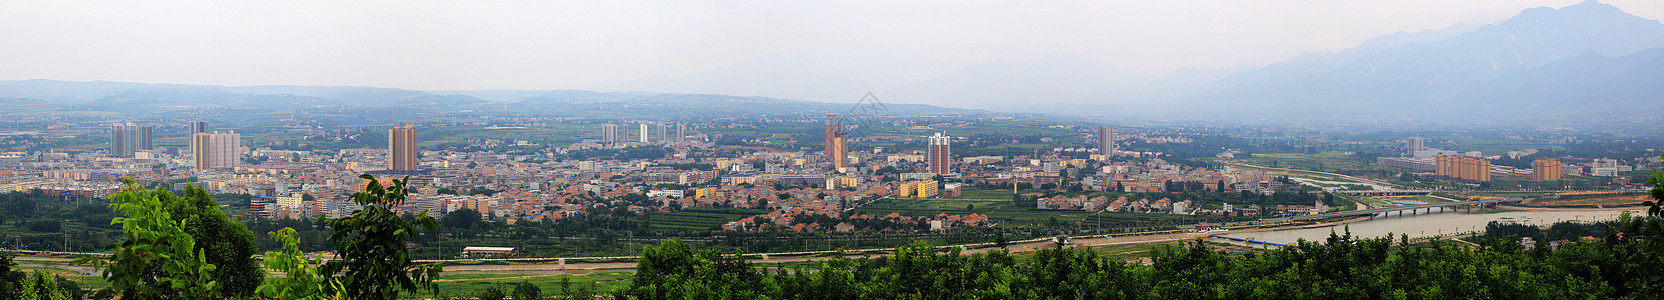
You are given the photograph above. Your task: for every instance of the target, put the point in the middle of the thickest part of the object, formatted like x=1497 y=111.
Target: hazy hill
x=1049 y=79
x=1453 y=73
x=1632 y=83
x=807 y=78
x=993 y=85
x=141 y=99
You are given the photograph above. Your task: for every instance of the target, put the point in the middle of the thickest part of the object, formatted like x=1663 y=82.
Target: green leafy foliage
x=461 y=218
x=372 y=259
x=300 y=281
x=9 y=278
x=674 y=271
x=43 y=286
x=226 y=243
x=38 y=221
x=1620 y=266
x=527 y=291
x=491 y=293
x=159 y=259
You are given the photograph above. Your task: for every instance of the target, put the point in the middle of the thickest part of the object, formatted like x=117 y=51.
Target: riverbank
x=1538 y=208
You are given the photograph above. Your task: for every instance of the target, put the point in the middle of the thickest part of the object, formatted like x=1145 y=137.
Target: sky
x=456 y=45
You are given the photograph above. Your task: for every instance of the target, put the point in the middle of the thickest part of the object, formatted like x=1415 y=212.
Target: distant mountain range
x=1585 y=61
x=1512 y=69
x=1590 y=58
x=163 y=100
x=995 y=85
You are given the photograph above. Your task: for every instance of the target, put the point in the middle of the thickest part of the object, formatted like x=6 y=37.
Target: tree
x=45 y=286
x=493 y=292
x=227 y=243
x=461 y=218
x=673 y=270
x=9 y=278
x=372 y=260
x=300 y=281
x=527 y=291
x=158 y=259
x=480 y=190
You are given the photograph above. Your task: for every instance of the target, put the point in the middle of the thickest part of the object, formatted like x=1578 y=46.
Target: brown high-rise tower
x=835 y=141
x=401 y=148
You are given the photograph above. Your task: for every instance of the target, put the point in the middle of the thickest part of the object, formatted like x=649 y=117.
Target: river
x=1426 y=224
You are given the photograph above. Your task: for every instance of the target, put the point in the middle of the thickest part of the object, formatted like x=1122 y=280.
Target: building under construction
x=835 y=151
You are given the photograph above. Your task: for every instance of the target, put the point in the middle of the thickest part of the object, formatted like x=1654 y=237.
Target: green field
x=699 y=219
x=468 y=284
x=981 y=194
x=999 y=211
x=1008 y=215
x=1325 y=161
x=1123 y=252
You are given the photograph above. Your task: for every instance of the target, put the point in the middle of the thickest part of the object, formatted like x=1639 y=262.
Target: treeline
x=41 y=221
x=182 y=246
x=1341 y=267
x=1622 y=263
x=1556 y=232
x=37 y=221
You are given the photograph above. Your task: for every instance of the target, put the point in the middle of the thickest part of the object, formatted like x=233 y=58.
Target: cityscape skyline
x=1000 y=149
x=1405 y=18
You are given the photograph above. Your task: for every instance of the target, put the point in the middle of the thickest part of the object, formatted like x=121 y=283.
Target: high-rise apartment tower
x=198 y=127
x=215 y=150
x=644 y=133
x=835 y=141
x=128 y=138
x=609 y=133
x=681 y=132
x=1106 y=140
x=401 y=148
x=941 y=154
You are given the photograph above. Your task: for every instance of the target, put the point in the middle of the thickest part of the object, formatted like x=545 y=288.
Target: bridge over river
x=1401 y=209
x=1386 y=192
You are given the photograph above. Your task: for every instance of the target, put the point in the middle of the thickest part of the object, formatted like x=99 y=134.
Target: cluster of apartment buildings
x=1474 y=167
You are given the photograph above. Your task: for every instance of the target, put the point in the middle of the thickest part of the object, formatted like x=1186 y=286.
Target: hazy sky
x=435 y=45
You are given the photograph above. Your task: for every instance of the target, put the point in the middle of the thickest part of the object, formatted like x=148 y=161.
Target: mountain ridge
x=1417 y=79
